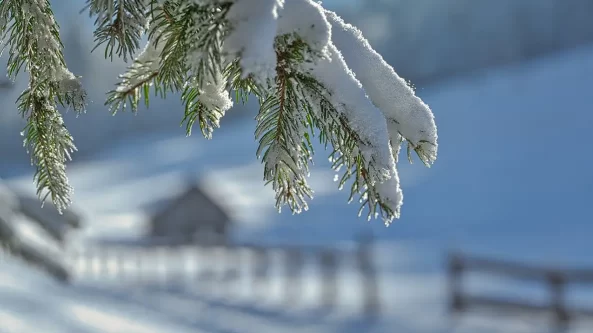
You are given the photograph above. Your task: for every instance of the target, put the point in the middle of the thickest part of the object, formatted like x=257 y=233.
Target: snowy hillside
x=512 y=179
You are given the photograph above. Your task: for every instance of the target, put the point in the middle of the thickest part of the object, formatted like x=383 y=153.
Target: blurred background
x=170 y=233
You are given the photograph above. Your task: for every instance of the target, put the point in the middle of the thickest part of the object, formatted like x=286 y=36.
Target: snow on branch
x=35 y=46
x=306 y=19
x=137 y=78
x=363 y=117
x=314 y=75
x=406 y=114
x=254 y=24
x=357 y=131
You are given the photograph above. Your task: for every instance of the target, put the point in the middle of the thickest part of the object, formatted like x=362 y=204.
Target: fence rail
x=556 y=280
x=226 y=267
x=524 y=271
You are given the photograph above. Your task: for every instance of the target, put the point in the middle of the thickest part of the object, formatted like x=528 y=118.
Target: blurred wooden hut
x=191 y=217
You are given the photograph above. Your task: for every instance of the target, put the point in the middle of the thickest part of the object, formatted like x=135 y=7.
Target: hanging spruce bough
x=313 y=74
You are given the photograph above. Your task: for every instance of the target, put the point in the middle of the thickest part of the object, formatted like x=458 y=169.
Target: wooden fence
x=556 y=280
x=223 y=268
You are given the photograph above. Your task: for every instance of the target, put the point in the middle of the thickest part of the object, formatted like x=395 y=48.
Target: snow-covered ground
x=512 y=180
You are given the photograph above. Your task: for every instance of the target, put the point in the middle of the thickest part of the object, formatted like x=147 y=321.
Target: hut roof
x=166 y=207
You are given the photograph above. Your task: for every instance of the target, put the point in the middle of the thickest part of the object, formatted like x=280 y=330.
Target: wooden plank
x=505 y=304
x=555 y=278
x=522 y=271
x=328 y=260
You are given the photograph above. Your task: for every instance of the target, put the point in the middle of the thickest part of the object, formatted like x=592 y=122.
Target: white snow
x=254 y=24
x=391 y=195
x=307 y=19
x=347 y=95
x=71 y=86
x=366 y=120
x=49 y=51
x=147 y=64
x=214 y=96
x=46 y=44
x=406 y=113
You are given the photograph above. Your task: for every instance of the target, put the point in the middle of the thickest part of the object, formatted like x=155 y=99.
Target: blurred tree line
x=428 y=40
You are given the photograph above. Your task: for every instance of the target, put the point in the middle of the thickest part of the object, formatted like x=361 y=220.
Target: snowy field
x=512 y=179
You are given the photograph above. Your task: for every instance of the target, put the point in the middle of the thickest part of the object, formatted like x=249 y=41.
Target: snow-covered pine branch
x=314 y=75
x=406 y=114
x=32 y=35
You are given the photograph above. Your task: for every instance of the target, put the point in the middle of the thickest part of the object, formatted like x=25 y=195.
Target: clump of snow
x=44 y=41
x=71 y=86
x=391 y=194
x=307 y=19
x=366 y=120
x=145 y=65
x=214 y=95
x=68 y=82
x=406 y=113
x=254 y=24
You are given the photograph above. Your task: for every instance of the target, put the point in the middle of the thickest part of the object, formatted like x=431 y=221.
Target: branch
x=35 y=44
x=281 y=130
x=120 y=24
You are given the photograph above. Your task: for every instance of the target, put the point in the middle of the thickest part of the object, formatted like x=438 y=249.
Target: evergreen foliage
x=192 y=49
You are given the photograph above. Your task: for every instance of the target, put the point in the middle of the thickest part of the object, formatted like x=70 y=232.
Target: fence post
x=119 y=263
x=329 y=268
x=261 y=267
x=107 y=263
x=372 y=304
x=295 y=263
x=230 y=261
x=76 y=262
x=456 y=268
x=204 y=270
x=139 y=267
x=556 y=282
x=187 y=265
x=163 y=279
x=177 y=266
x=101 y=260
